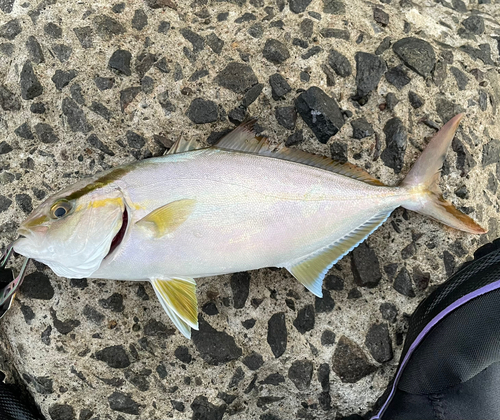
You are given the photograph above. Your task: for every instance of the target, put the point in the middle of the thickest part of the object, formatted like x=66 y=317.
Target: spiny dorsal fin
x=178 y=299
x=244 y=139
x=182 y=145
x=312 y=270
x=167 y=218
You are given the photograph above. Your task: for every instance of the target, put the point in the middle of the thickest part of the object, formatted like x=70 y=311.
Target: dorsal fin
x=182 y=145
x=244 y=139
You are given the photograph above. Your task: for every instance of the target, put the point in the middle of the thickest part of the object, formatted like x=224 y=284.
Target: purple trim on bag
x=459 y=302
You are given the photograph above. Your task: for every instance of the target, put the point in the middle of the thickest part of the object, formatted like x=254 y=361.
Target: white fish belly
x=250 y=212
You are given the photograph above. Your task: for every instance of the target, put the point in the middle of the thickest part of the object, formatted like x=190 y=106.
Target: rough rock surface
x=88 y=86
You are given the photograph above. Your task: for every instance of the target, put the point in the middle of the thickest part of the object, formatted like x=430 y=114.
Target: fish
x=240 y=205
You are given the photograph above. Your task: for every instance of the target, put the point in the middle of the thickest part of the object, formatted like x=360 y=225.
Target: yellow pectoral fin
x=167 y=218
x=178 y=298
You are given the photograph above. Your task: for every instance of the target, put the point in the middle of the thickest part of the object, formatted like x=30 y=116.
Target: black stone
x=397 y=77
x=75 y=116
x=279 y=86
x=11 y=29
x=198 y=74
x=164 y=27
x=134 y=140
x=389 y=312
x=300 y=373
x=28 y=313
x=62 y=52
x=204 y=410
x=379 y=343
x=334 y=7
x=327 y=338
x=300 y=43
x=34 y=50
x=253 y=361
x=305 y=319
x=324 y=304
x=196 y=40
x=182 y=353
x=52 y=30
x=391 y=101
x=30 y=86
x=277 y=334
x=298 y=6
x=155 y=328
x=45 y=133
x=4 y=205
x=139 y=380
x=491 y=151
x=295 y=138
x=140 y=20
x=43 y=385
x=415 y=100
x=403 y=283
x=215 y=43
x=240 y=286
x=286 y=116
x=465 y=161
x=108 y=27
x=210 y=308
x=246 y=17
x=100 y=110
x=306 y=27
x=273 y=379
x=460 y=77
x=114 y=356
x=9 y=101
x=84 y=35
x=395 y=139
x=320 y=112
x=252 y=94
x=123 y=403
x=6 y=5
x=202 y=111
x=349 y=362
x=148 y=84
x=128 y=95
x=215 y=347
x=120 y=61
x=304 y=76
x=365 y=266
x=23 y=131
x=369 y=70
x=380 y=16
x=483 y=100
x=338 y=151
x=311 y=52
x=62 y=78
x=37 y=285
x=162 y=65
x=449 y=263
x=236 y=77
x=335 y=33
x=76 y=93
x=339 y=63
x=275 y=51
x=177 y=405
x=361 y=129
x=37 y=108
x=417 y=54
x=63 y=327
x=104 y=83
x=93 y=314
x=332 y=282
x=383 y=46
x=474 y=24
x=248 y=323
x=354 y=293
x=238 y=376
x=237 y=115
x=447 y=109
x=24 y=202
x=62 y=412
x=113 y=303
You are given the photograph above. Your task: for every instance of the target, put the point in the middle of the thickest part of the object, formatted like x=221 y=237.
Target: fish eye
x=60 y=209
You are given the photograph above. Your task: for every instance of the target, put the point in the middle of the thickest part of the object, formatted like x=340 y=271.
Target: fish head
x=74 y=230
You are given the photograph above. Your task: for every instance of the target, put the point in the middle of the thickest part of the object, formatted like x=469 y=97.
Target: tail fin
x=423 y=180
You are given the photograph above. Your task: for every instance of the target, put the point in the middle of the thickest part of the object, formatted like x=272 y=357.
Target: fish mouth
x=117 y=240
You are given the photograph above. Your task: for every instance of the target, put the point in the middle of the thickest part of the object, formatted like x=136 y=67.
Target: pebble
x=134 y=140
x=327 y=338
x=6 y=5
x=61 y=412
x=45 y=133
x=378 y=342
x=417 y=54
x=30 y=86
x=75 y=117
x=474 y=24
x=307 y=27
x=339 y=63
x=460 y=78
x=311 y=52
x=24 y=202
x=4 y=205
x=10 y=30
x=204 y=410
x=140 y=20
x=334 y=7
x=34 y=50
x=182 y=354
x=114 y=356
x=395 y=140
x=252 y=94
x=365 y=266
x=215 y=347
x=9 y=101
x=37 y=108
x=85 y=36
x=256 y=31
x=369 y=69
x=338 y=151
x=300 y=373
x=113 y=303
x=464 y=159
x=120 y=61
x=299 y=6
x=275 y=51
x=403 y=283
x=52 y=30
x=277 y=334
x=62 y=78
x=361 y=129
x=286 y=116
x=491 y=151
x=107 y=27
x=143 y=63
x=24 y=131
x=122 y=403
x=295 y=138
x=202 y=111
x=349 y=361
x=335 y=33
x=320 y=112
x=324 y=304
x=397 y=77
x=305 y=319
x=389 y=311
x=383 y=46
x=246 y=17
x=62 y=52
x=253 y=361
x=381 y=17
x=279 y=86
x=197 y=41
x=236 y=77
x=415 y=100
x=273 y=379
x=128 y=95
x=240 y=287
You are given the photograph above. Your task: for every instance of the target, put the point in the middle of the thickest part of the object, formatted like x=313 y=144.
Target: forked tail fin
x=423 y=181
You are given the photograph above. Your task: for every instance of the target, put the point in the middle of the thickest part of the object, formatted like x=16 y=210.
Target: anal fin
x=178 y=299
x=311 y=270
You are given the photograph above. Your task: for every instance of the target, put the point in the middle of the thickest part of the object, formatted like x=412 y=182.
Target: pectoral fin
x=178 y=298
x=311 y=270
x=167 y=218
